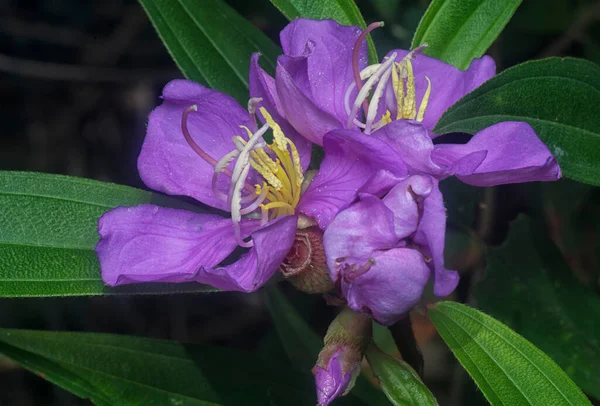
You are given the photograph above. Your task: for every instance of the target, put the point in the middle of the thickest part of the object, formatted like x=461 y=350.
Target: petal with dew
x=155 y=244
x=448 y=84
x=329 y=63
x=299 y=109
x=263 y=86
x=391 y=287
x=168 y=164
x=272 y=242
x=507 y=152
x=351 y=159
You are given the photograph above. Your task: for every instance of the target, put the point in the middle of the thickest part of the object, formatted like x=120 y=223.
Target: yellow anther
x=267 y=175
x=387 y=117
x=296 y=163
x=278 y=136
x=398 y=84
x=267 y=160
x=258 y=189
x=424 y=101
x=410 y=107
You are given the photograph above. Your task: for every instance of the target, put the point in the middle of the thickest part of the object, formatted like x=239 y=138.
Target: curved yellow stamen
x=410 y=107
x=425 y=101
x=278 y=136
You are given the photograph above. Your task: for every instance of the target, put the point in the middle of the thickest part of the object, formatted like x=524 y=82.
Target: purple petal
x=381 y=183
x=351 y=158
x=413 y=144
x=356 y=232
x=262 y=85
x=329 y=64
x=332 y=382
x=299 y=109
x=154 y=244
x=167 y=163
x=431 y=237
x=391 y=287
x=272 y=242
x=404 y=200
x=507 y=152
x=448 y=84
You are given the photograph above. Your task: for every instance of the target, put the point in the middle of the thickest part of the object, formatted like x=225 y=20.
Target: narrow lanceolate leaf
x=120 y=370
x=558 y=97
x=400 y=383
x=508 y=369
x=458 y=31
x=48 y=231
x=210 y=42
x=344 y=12
x=529 y=286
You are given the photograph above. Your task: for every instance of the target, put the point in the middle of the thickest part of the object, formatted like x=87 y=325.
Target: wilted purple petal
x=332 y=382
x=448 y=84
x=154 y=244
x=299 y=109
x=329 y=63
x=405 y=199
x=507 y=152
x=356 y=232
x=167 y=163
x=351 y=158
x=431 y=237
x=272 y=242
x=391 y=287
x=262 y=85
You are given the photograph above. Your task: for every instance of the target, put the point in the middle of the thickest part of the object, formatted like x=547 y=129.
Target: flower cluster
x=371 y=221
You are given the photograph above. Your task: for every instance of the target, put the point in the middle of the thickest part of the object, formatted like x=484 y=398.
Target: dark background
x=77 y=81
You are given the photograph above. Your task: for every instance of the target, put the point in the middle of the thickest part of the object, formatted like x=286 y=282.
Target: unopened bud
x=339 y=362
x=305 y=265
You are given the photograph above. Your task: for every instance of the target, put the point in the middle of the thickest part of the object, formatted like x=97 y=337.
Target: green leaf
x=508 y=369
x=48 y=231
x=529 y=286
x=345 y=12
x=210 y=42
x=399 y=381
x=121 y=370
x=302 y=344
x=558 y=97
x=458 y=31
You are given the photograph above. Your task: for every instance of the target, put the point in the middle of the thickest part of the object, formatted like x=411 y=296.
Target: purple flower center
x=403 y=89
x=278 y=164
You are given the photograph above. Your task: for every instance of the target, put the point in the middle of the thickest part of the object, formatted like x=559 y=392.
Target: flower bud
x=338 y=365
x=305 y=265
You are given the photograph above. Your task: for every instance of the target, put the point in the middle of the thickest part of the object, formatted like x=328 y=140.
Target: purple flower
x=202 y=144
x=334 y=380
x=400 y=100
x=381 y=250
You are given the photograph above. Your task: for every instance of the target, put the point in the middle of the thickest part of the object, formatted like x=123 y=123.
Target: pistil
x=355 y=56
